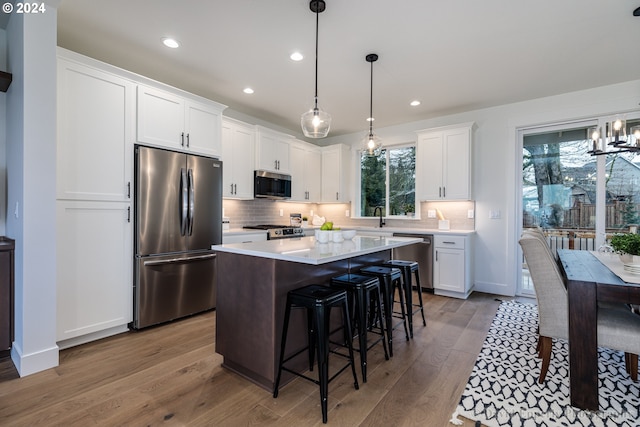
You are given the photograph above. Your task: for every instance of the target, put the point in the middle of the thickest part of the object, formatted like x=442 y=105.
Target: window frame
x=356 y=212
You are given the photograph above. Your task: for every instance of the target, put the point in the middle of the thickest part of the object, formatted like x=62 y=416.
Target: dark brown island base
x=253 y=281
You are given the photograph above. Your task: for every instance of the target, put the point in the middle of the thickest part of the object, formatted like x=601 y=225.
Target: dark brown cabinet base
x=252 y=292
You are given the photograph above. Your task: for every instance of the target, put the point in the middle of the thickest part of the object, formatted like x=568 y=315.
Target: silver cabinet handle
x=187 y=140
x=337 y=196
x=182 y=139
x=444 y=191
x=231 y=190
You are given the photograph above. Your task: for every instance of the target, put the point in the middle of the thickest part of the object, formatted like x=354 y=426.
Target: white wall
x=495 y=162
x=31 y=162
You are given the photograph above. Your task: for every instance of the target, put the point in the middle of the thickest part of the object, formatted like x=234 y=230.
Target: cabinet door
x=272 y=152
x=243 y=162
x=202 y=127
x=238 y=161
x=449 y=270
x=336 y=170
x=95 y=134
x=331 y=176
x=298 y=183
x=430 y=147
x=160 y=118
x=313 y=175
x=94 y=258
x=456 y=160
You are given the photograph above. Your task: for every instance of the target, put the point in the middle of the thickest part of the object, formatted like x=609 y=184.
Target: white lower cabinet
x=243 y=237
x=452 y=266
x=94 y=277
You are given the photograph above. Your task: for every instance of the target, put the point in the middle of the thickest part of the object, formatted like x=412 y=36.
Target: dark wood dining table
x=588 y=283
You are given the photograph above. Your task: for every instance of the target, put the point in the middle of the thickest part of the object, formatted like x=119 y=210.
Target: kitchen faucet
x=379 y=208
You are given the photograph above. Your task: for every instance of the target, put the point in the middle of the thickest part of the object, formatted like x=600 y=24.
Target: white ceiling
x=454 y=56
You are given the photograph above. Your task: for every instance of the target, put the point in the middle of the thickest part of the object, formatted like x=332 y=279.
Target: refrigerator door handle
x=184 y=201
x=180 y=260
x=192 y=202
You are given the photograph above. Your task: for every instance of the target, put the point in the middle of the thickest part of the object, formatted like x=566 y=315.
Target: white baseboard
x=495 y=288
x=94 y=336
x=28 y=364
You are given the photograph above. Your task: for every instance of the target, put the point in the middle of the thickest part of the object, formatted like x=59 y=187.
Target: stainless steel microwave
x=271 y=185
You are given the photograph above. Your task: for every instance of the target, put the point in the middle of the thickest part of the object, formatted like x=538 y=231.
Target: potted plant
x=627 y=245
x=409 y=209
x=305 y=221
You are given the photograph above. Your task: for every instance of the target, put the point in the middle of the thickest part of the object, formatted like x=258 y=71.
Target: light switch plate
x=431 y=213
x=470 y=214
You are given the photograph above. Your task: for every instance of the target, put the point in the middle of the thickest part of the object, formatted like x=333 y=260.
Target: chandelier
x=316 y=122
x=617 y=138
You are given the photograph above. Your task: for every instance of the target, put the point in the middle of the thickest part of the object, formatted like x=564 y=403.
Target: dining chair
x=618 y=329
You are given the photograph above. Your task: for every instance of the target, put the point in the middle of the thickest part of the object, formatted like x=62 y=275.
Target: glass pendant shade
x=315 y=123
x=371 y=145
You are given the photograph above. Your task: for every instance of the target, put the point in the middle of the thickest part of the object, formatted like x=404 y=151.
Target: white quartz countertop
x=306 y=250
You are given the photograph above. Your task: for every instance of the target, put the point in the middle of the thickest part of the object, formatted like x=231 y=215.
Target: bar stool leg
x=401 y=290
x=322 y=333
x=382 y=327
x=348 y=337
x=387 y=293
x=311 y=338
x=283 y=343
x=406 y=279
x=362 y=331
x=424 y=321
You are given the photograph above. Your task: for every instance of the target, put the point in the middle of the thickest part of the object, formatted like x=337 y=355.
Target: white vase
x=628 y=259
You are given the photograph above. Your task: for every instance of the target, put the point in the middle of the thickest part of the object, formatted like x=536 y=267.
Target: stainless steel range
x=278 y=231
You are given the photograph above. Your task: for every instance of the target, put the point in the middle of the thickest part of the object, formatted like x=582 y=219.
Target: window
x=388 y=181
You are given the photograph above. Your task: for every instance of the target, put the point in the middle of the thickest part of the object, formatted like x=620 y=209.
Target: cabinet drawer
x=449 y=242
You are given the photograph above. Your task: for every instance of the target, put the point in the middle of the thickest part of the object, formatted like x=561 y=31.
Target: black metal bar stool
x=360 y=291
x=318 y=301
x=408 y=268
x=390 y=279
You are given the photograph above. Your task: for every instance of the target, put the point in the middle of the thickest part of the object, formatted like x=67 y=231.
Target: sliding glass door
x=576 y=199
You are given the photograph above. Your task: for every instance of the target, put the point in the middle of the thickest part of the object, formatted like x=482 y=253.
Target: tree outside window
x=388 y=181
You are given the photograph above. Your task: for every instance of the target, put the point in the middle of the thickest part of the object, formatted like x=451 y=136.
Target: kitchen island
x=252 y=284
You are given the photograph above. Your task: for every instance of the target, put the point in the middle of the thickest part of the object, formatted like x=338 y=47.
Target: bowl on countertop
x=348 y=234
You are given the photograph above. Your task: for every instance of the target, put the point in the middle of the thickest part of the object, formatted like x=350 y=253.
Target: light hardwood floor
x=171 y=375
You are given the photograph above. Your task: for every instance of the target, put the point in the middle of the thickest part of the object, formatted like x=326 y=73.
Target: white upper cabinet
x=95 y=134
x=336 y=174
x=169 y=120
x=306 y=171
x=272 y=150
x=444 y=163
x=238 y=141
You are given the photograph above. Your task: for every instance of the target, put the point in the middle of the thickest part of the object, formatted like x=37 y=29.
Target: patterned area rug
x=503 y=389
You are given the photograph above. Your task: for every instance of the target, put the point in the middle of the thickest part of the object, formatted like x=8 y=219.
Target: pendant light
x=316 y=122
x=371 y=144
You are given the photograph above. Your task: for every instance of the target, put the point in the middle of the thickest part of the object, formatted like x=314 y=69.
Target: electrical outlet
x=494 y=214
x=281 y=212
x=431 y=213
x=470 y=214
x=346 y=213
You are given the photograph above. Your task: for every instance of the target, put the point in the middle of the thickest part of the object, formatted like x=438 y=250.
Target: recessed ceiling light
x=169 y=42
x=415 y=103
x=296 y=56
x=248 y=90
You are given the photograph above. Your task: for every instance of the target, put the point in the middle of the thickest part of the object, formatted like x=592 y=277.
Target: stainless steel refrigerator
x=178 y=216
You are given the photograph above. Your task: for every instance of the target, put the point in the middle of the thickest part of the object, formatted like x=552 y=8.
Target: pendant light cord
x=371 y=103
x=316 y=89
